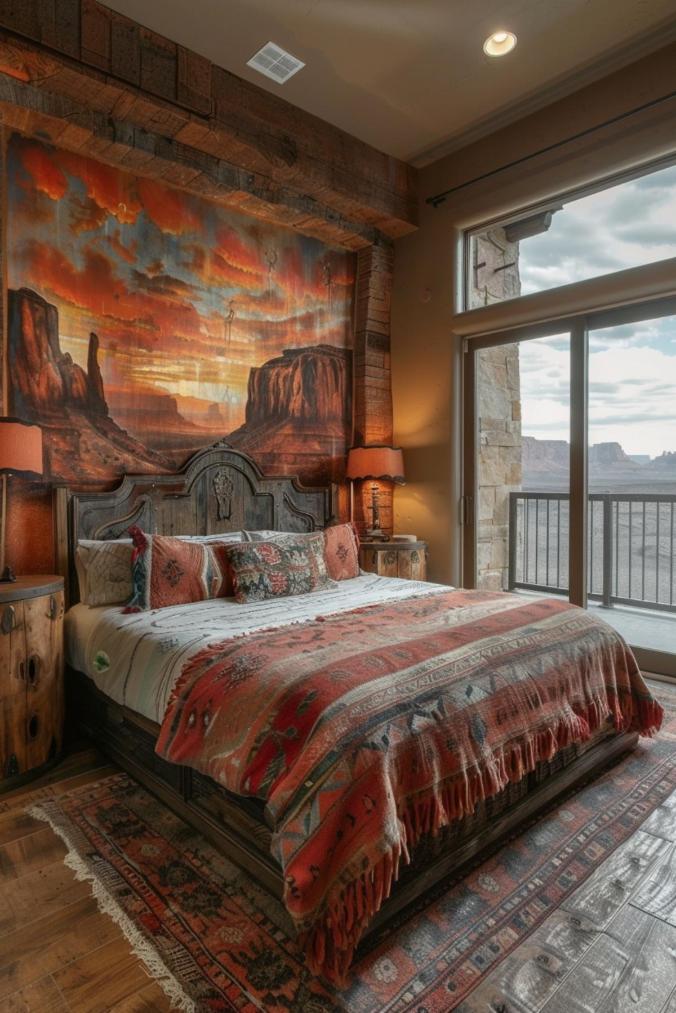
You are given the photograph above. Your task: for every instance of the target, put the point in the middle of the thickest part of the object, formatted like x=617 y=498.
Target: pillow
x=293 y=564
x=104 y=571
x=172 y=571
x=104 y=567
x=268 y=536
x=341 y=552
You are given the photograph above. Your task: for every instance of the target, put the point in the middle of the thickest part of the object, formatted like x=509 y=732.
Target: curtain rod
x=439 y=198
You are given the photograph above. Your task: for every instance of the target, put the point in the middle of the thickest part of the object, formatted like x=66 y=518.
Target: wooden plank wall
x=93 y=81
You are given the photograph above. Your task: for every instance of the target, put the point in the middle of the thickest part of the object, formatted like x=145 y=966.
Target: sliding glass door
x=570 y=468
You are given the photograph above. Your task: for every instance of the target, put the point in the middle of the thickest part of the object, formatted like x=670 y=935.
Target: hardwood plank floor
x=58 y=953
x=610 y=948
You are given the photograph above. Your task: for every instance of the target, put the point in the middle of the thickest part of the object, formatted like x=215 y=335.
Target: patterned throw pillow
x=341 y=552
x=172 y=571
x=293 y=564
x=104 y=571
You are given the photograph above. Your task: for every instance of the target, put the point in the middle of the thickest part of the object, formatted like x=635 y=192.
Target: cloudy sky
x=632 y=369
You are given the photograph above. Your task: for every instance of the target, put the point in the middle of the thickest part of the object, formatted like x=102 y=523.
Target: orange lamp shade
x=20 y=448
x=380 y=463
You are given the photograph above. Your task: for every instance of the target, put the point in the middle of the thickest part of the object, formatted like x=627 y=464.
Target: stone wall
x=495 y=276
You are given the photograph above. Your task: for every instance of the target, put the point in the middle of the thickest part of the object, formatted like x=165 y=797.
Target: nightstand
x=31 y=675
x=395 y=559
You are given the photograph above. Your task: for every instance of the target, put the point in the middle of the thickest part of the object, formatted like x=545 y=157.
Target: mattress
x=136 y=659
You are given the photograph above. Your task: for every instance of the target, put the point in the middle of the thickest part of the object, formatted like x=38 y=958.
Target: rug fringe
x=141 y=946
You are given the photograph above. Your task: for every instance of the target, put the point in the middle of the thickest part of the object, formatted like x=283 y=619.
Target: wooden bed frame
x=222 y=490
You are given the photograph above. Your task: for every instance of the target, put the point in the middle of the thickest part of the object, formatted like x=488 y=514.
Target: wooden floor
x=611 y=948
x=57 y=951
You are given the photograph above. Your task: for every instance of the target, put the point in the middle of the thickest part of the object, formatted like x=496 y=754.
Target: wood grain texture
x=184 y=503
x=117 y=69
x=629 y=967
x=58 y=952
x=656 y=894
x=101 y=978
x=31 y=677
x=12 y=690
x=70 y=957
x=606 y=891
x=607 y=949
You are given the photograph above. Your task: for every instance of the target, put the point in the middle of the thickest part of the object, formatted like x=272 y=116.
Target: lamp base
x=376 y=535
x=7 y=576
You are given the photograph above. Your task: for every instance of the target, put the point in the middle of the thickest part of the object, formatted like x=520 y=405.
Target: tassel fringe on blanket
x=330 y=944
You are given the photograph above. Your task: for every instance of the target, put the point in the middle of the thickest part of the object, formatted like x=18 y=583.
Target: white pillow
x=270 y=536
x=104 y=567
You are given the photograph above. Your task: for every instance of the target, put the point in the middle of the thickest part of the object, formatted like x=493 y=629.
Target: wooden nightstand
x=395 y=559
x=31 y=675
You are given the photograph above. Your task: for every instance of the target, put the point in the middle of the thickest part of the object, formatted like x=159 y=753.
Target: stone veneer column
x=372 y=410
x=495 y=276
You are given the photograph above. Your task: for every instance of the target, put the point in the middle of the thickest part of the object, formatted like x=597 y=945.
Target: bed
x=123 y=672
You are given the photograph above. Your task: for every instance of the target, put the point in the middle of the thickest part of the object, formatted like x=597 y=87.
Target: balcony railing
x=631 y=542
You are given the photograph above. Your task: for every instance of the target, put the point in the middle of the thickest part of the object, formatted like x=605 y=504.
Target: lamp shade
x=20 y=448
x=384 y=463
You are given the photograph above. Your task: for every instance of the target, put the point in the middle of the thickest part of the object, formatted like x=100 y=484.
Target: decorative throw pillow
x=172 y=571
x=104 y=567
x=290 y=565
x=341 y=552
x=104 y=571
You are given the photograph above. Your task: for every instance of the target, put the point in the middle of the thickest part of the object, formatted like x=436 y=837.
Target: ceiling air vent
x=275 y=63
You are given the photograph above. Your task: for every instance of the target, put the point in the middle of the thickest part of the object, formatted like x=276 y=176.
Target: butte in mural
x=145 y=323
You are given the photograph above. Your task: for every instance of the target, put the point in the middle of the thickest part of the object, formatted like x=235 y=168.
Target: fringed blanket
x=365 y=730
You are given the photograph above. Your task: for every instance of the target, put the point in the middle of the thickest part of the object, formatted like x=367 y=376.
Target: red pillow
x=341 y=552
x=169 y=571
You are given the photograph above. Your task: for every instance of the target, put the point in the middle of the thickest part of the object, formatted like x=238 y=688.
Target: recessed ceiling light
x=499 y=43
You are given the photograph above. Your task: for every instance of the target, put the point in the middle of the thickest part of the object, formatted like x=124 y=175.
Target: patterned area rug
x=215 y=941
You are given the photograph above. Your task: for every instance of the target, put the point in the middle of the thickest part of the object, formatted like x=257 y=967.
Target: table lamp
x=382 y=464
x=20 y=454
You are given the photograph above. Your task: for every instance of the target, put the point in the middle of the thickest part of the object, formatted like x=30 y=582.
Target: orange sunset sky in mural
x=184 y=295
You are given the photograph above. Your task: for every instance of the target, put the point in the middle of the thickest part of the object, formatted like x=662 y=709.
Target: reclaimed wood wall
x=90 y=80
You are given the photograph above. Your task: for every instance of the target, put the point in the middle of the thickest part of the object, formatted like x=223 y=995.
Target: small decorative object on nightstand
x=31 y=675
x=395 y=559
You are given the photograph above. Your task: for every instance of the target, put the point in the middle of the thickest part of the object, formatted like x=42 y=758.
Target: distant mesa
x=546 y=465
x=298 y=413
x=82 y=442
x=297 y=417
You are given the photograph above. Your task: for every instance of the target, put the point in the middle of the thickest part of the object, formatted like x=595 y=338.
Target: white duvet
x=136 y=659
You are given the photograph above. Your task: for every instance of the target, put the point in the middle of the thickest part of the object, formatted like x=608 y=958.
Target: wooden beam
x=137 y=77
x=73 y=126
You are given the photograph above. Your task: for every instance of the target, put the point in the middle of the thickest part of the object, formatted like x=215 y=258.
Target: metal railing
x=631 y=545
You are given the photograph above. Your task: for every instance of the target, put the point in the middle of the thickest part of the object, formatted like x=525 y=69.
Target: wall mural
x=145 y=323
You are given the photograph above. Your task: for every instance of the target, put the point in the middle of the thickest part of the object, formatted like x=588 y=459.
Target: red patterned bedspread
x=367 y=729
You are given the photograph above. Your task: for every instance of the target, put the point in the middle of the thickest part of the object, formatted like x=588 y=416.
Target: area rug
x=214 y=941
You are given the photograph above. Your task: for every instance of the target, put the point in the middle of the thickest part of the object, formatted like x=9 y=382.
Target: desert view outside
x=524 y=407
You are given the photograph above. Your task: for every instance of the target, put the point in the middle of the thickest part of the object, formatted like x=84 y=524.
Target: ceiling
x=410 y=76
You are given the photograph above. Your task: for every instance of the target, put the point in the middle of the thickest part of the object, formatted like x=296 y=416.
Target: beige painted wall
x=426 y=354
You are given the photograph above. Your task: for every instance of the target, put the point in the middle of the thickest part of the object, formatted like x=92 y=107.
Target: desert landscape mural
x=145 y=323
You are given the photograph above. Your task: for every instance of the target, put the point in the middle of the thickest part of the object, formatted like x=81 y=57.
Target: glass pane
x=626 y=225
x=523 y=399
x=632 y=479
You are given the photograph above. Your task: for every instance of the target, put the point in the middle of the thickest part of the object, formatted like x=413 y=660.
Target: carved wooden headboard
x=220 y=489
